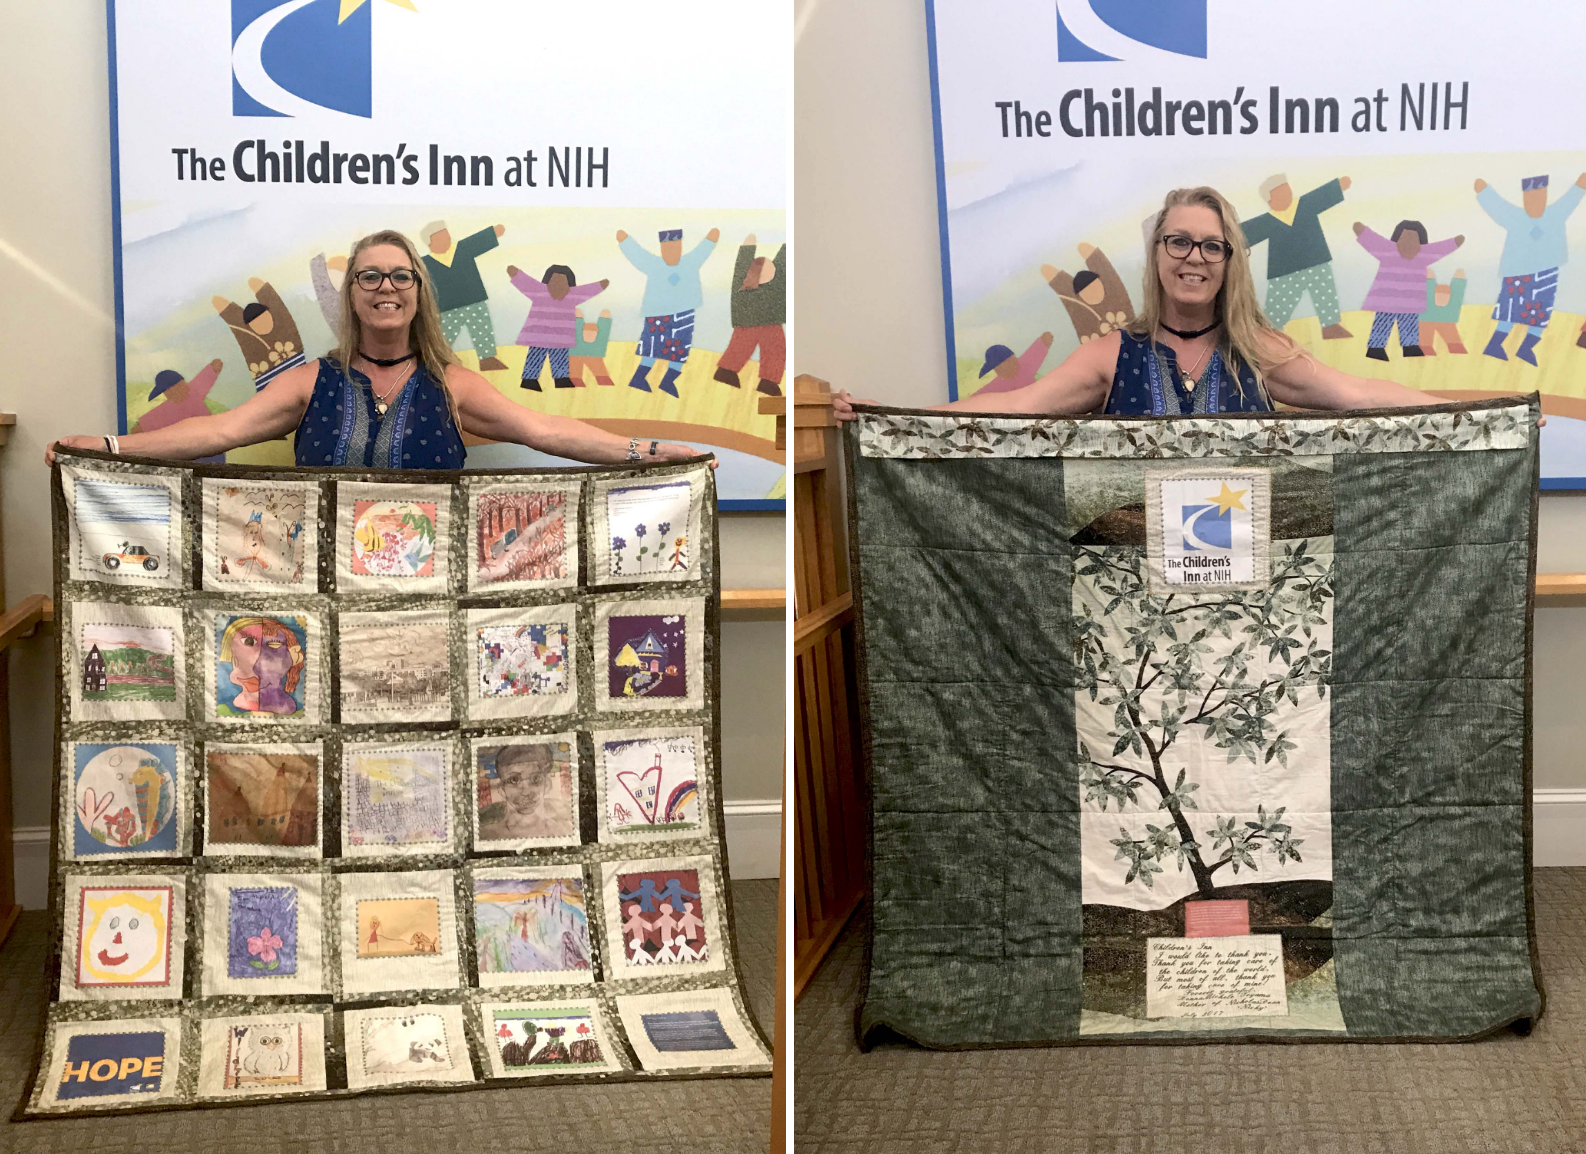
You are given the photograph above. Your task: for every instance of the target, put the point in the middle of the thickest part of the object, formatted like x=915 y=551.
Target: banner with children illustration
x=1410 y=205
x=606 y=241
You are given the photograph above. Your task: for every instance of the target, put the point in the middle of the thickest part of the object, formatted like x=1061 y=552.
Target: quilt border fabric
x=910 y=436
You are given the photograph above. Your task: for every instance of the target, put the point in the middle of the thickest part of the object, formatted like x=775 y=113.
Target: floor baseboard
x=1558 y=821
x=754 y=847
x=754 y=838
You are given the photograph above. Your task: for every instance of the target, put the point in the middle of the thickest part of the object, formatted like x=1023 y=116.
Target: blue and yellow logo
x=1206 y=531
x=1089 y=30
x=302 y=57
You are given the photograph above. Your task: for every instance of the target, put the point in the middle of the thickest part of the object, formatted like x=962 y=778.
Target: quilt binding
x=483 y=1079
x=876 y=1034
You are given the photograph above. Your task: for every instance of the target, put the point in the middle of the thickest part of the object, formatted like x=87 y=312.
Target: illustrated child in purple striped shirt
x=1398 y=295
x=552 y=323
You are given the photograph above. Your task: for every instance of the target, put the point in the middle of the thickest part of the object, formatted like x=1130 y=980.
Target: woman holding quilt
x=1199 y=343
x=393 y=395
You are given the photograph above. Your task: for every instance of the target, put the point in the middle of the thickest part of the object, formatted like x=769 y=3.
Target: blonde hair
x=1247 y=338
x=425 y=336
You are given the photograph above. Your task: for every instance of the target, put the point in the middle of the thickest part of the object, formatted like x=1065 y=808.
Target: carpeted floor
x=699 y=1117
x=1508 y=1095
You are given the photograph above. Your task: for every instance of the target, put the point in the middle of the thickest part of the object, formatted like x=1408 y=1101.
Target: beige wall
x=56 y=326
x=869 y=295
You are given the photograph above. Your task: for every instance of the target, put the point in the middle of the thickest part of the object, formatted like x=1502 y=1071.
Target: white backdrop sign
x=254 y=140
x=1062 y=123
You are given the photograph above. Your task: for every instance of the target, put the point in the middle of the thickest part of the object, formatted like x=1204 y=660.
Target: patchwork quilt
x=1206 y=729
x=384 y=779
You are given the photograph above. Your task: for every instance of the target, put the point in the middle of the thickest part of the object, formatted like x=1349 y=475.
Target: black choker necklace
x=409 y=356
x=1181 y=334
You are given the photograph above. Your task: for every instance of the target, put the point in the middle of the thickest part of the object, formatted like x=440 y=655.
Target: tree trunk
x=1203 y=876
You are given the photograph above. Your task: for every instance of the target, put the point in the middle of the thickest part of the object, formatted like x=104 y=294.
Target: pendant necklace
x=1188 y=375
x=1190 y=380
x=382 y=403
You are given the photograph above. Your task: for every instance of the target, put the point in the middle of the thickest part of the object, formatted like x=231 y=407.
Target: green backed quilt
x=1202 y=729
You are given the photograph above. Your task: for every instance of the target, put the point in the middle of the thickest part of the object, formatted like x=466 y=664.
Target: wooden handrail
x=821 y=623
x=1561 y=584
x=23 y=618
x=742 y=599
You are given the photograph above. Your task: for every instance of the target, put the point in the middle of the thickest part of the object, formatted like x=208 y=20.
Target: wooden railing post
x=829 y=870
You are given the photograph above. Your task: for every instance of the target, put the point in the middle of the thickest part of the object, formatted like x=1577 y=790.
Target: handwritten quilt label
x=1221 y=977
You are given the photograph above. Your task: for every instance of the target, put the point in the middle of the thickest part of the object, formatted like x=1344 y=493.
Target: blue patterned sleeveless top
x=343 y=427
x=1148 y=385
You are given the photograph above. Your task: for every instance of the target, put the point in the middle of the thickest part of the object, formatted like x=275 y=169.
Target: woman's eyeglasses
x=401 y=278
x=1213 y=251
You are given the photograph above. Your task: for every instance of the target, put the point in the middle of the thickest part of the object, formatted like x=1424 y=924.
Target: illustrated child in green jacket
x=589 y=348
x=1441 y=318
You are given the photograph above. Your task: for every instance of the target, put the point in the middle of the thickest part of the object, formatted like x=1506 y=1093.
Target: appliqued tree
x=1156 y=662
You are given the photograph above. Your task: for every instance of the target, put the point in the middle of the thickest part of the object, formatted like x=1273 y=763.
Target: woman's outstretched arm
x=1078 y=385
x=272 y=412
x=487 y=414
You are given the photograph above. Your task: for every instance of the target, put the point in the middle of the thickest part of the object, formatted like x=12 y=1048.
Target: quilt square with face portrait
x=127 y=800
x=264 y=667
x=526 y=792
x=124 y=940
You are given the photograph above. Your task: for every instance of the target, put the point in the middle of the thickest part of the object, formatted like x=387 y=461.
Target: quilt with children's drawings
x=1197 y=730
x=372 y=779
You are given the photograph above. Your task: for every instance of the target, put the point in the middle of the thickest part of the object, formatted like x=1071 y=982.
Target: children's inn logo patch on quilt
x=1208 y=528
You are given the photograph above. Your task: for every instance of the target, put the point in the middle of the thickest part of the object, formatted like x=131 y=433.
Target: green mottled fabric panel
x=1428 y=742
x=976 y=825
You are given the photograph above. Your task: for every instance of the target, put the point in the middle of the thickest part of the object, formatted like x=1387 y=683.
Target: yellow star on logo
x=348 y=7
x=1229 y=499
